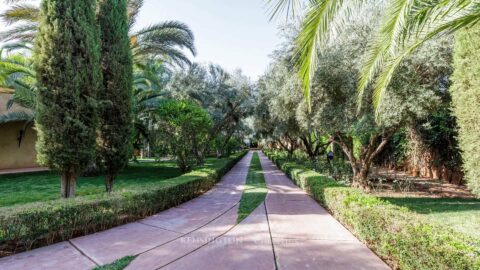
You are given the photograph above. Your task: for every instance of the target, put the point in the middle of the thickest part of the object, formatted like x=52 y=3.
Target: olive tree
x=278 y=101
x=282 y=114
x=227 y=97
x=360 y=133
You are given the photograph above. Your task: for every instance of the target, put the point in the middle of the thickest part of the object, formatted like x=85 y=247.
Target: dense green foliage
x=227 y=97
x=400 y=52
x=119 y=264
x=38 y=224
x=255 y=189
x=284 y=119
x=67 y=64
x=466 y=97
x=402 y=27
x=405 y=240
x=115 y=115
x=184 y=127
x=17 y=189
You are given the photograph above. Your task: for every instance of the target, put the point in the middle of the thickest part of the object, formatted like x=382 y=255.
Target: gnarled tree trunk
x=361 y=166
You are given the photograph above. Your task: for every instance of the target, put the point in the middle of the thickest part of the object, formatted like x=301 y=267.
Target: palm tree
x=23 y=19
x=163 y=41
x=17 y=77
x=152 y=48
x=406 y=25
x=150 y=80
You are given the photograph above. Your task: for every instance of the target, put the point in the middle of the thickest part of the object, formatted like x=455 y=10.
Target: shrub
x=38 y=224
x=404 y=239
x=184 y=126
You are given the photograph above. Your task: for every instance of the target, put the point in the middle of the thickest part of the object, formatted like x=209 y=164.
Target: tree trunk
x=109 y=180
x=68 y=184
x=360 y=179
x=308 y=147
x=361 y=166
x=199 y=157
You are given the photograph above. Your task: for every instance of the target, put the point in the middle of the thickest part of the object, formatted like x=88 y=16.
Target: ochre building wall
x=13 y=156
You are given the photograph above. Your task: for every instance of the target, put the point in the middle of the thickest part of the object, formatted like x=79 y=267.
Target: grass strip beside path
x=119 y=264
x=255 y=189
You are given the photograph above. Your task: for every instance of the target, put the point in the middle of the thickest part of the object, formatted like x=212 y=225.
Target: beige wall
x=11 y=155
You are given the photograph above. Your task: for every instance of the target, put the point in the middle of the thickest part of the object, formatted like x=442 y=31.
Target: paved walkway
x=23 y=170
x=288 y=231
x=306 y=236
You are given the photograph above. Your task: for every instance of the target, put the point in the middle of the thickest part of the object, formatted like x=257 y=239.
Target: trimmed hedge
x=404 y=239
x=39 y=224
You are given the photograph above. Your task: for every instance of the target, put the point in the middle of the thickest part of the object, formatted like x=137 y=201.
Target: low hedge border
x=39 y=224
x=404 y=239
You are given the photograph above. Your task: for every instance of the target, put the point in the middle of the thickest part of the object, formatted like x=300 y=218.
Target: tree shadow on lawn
x=462 y=215
x=436 y=205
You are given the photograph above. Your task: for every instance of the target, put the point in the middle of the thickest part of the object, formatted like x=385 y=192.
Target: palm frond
x=23 y=17
x=20 y=12
x=323 y=19
x=282 y=6
x=25 y=33
x=427 y=20
x=133 y=10
x=385 y=42
x=13 y=65
x=16 y=117
x=4 y=90
x=25 y=95
x=171 y=33
x=17 y=46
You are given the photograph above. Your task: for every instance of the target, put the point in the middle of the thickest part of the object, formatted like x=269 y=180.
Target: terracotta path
x=306 y=236
x=288 y=231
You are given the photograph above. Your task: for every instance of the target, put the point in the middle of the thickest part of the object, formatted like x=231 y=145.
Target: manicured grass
x=255 y=189
x=117 y=265
x=462 y=215
x=44 y=186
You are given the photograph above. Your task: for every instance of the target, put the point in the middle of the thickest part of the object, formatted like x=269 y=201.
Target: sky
x=234 y=34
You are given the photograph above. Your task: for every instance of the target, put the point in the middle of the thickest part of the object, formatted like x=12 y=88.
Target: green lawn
x=462 y=215
x=43 y=186
x=255 y=189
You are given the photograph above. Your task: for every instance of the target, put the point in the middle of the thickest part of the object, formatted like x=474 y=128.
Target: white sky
x=232 y=33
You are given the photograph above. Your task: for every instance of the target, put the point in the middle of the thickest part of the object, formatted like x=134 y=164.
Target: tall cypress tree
x=115 y=112
x=466 y=101
x=67 y=64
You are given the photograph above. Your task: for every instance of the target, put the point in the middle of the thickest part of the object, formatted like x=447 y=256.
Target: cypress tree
x=115 y=112
x=466 y=101
x=67 y=64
